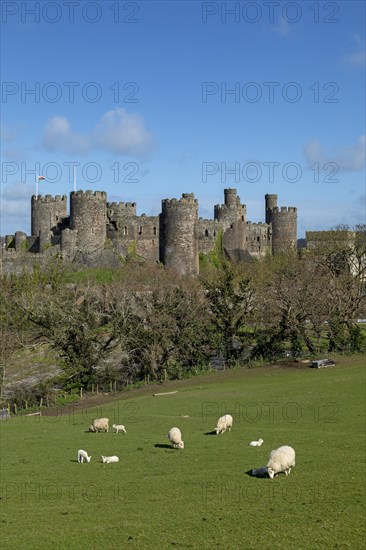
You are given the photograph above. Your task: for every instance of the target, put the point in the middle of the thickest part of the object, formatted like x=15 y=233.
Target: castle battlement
x=121 y=205
x=187 y=198
x=49 y=198
x=89 y=193
x=284 y=209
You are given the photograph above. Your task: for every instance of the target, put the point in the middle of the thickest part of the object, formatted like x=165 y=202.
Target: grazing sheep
x=83 y=456
x=119 y=428
x=224 y=423
x=99 y=425
x=281 y=460
x=256 y=443
x=109 y=459
x=175 y=438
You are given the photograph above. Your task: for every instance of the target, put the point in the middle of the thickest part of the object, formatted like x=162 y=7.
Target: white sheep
x=175 y=438
x=281 y=460
x=109 y=459
x=83 y=456
x=119 y=428
x=256 y=443
x=224 y=423
x=99 y=425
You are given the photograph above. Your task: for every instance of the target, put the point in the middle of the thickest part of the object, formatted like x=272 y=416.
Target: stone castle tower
x=48 y=217
x=97 y=232
x=178 y=234
x=232 y=218
x=88 y=216
x=284 y=225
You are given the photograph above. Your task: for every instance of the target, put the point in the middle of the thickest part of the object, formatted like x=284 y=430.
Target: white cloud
x=348 y=159
x=118 y=132
x=282 y=27
x=357 y=58
x=122 y=133
x=59 y=137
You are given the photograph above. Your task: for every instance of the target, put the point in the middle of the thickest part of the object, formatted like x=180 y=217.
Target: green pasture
x=202 y=497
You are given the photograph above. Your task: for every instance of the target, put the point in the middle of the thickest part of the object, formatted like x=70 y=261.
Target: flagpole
x=74 y=179
x=37 y=181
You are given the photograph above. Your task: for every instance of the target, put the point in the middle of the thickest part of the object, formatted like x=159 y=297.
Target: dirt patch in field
x=179 y=385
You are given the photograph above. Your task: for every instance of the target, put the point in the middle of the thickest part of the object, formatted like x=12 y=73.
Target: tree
x=231 y=299
x=166 y=328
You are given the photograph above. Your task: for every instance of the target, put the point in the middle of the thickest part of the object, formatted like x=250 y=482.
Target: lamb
x=119 y=428
x=83 y=456
x=224 y=423
x=281 y=460
x=99 y=425
x=109 y=459
x=256 y=443
x=175 y=438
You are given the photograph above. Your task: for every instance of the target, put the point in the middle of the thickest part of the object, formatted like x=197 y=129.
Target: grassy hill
x=201 y=497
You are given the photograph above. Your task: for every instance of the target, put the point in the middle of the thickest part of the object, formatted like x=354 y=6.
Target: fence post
x=115 y=385
x=148 y=379
x=26 y=404
x=110 y=386
x=81 y=393
x=97 y=388
x=92 y=389
x=165 y=374
x=15 y=409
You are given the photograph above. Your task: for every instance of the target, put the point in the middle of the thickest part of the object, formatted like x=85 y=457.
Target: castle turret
x=230 y=197
x=230 y=212
x=178 y=234
x=48 y=214
x=88 y=215
x=20 y=241
x=284 y=228
x=271 y=202
x=232 y=217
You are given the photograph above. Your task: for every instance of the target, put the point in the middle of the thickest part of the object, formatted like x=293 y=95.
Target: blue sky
x=154 y=99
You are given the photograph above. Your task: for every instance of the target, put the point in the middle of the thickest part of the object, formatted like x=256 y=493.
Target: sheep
x=119 y=428
x=256 y=443
x=175 y=438
x=83 y=456
x=109 y=459
x=99 y=425
x=281 y=460
x=224 y=423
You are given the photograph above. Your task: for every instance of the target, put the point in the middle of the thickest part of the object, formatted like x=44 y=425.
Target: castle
x=97 y=232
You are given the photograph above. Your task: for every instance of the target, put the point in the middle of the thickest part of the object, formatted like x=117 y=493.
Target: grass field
x=201 y=497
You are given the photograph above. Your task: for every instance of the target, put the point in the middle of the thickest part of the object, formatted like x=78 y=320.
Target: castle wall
x=207 y=231
x=178 y=234
x=259 y=241
x=139 y=233
x=69 y=238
